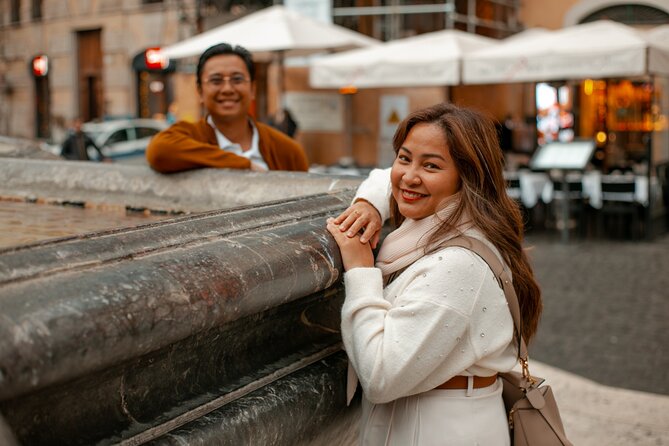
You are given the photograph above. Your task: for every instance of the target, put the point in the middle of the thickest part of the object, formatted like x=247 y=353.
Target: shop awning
x=658 y=59
x=597 y=50
x=272 y=30
x=139 y=64
x=424 y=60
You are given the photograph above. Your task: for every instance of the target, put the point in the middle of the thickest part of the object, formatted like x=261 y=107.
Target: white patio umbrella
x=527 y=34
x=658 y=57
x=271 y=30
x=431 y=59
x=593 y=50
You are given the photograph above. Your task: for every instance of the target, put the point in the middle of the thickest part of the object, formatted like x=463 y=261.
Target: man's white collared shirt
x=252 y=154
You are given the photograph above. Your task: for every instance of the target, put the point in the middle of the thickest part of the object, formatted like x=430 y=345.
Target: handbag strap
x=503 y=277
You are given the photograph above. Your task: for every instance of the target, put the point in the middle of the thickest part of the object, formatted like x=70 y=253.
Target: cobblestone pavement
x=606 y=309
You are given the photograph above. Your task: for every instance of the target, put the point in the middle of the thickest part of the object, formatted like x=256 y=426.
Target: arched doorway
x=645 y=13
x=154 y=90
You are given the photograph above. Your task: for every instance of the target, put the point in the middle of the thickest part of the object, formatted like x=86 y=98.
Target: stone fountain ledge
x=169 y=328
x=25 y=148
x=140 y=188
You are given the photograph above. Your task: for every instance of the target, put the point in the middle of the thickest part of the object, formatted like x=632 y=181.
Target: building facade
x=95 y=57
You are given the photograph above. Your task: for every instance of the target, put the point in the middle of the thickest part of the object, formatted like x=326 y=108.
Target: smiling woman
x=426 y=325
x=424 y=175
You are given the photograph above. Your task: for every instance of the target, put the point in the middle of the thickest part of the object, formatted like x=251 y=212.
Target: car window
x=145 y=132
x=94 y=134
x=117 y=136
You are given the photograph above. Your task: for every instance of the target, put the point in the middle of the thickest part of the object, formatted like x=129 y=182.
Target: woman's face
x=423 y=175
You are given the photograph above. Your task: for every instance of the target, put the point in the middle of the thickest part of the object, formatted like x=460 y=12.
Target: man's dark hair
x=225 y=48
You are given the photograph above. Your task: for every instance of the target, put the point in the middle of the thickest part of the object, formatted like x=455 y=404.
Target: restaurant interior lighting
x=588 y=86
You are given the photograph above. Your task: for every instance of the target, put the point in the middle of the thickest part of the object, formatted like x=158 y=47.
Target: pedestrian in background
x=75 y=146
x=227 y=136
x=283 y=120
x=427 y=329
x=171 y=115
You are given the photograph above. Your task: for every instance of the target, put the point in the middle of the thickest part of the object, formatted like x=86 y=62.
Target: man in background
x=75 y=146
x=227 y=137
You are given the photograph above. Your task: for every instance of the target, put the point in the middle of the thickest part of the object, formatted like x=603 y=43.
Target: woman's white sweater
x=445 y=315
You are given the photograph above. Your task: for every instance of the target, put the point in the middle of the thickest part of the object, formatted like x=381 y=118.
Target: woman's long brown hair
x=472 y=142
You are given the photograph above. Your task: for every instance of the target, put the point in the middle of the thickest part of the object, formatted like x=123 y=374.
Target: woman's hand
x=353 y=253
x=361 y=215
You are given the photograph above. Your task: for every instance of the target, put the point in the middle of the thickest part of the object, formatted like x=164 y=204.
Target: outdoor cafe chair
x=621 y=214
x=512 y=185
x=515 y=189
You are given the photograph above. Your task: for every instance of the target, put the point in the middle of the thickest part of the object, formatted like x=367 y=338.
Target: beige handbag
x=534 y=417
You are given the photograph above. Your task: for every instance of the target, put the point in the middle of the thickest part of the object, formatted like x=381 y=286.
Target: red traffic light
x=40 y=65
x=155 y=59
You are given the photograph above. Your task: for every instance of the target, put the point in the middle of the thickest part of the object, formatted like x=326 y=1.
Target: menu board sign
x=563 y=155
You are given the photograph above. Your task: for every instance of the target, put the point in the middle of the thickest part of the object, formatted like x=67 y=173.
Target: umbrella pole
x=281 y=87
x=348 y=140
x=648 y=214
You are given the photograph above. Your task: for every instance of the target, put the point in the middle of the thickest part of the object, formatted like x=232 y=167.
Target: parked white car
x=123 y=140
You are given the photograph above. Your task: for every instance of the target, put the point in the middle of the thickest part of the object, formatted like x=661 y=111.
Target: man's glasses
x=236 y=80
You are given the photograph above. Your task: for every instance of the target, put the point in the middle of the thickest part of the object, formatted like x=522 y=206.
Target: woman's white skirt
x=438 y=417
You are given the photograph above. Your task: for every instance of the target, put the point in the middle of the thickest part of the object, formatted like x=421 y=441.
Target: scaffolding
x=395 y=19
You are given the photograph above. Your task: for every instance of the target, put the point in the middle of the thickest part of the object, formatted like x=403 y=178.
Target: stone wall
x=214 y=328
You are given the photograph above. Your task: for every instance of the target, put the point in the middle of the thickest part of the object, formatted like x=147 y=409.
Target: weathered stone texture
x=110 y=335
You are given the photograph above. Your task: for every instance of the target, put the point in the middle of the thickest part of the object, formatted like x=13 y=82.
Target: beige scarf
x=406 y=244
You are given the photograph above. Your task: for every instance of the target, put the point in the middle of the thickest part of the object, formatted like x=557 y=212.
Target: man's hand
x=257 y=167
x=361 y=215
x=353 y=253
